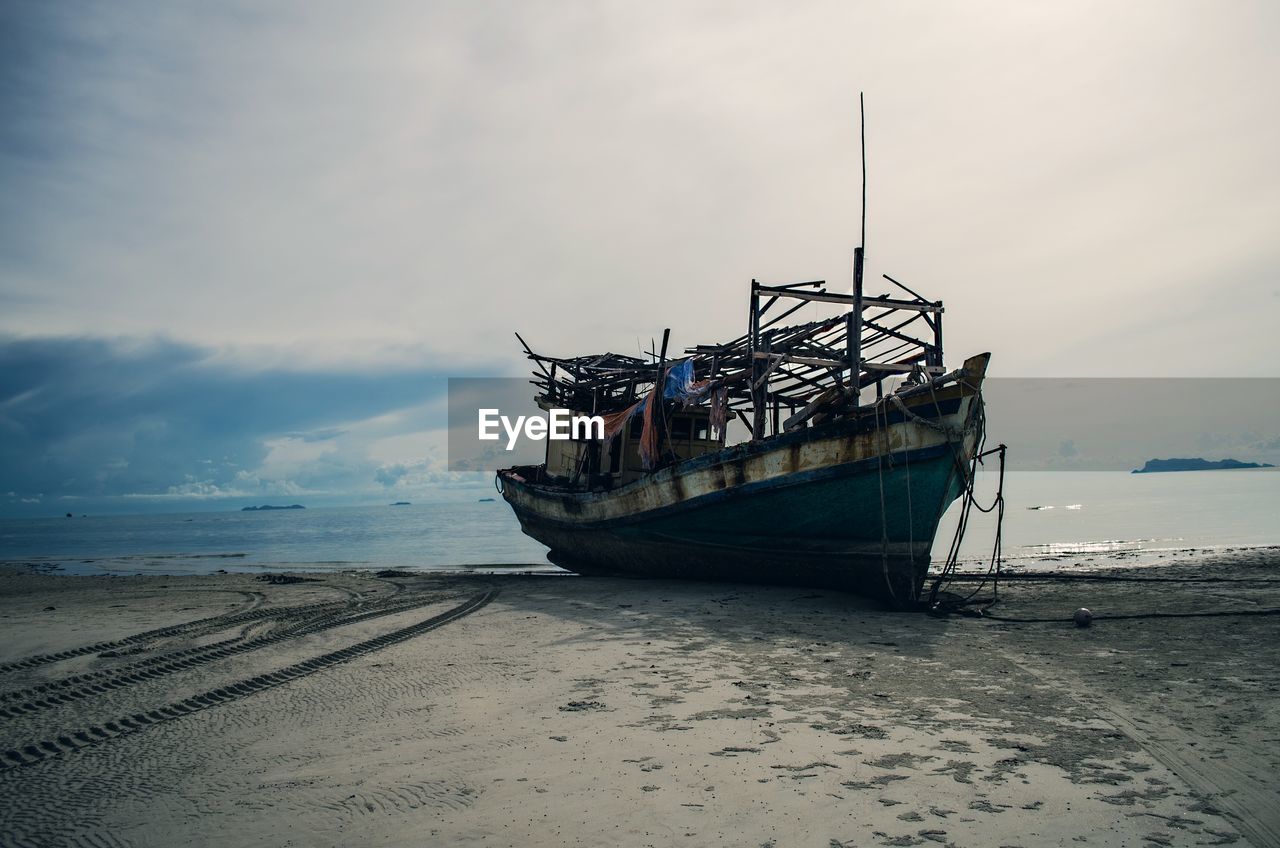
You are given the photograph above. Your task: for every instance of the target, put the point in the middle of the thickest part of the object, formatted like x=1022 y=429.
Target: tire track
x=79 y=840
x=79 y=740
x=53 y=686
x=255 y=611
x=189 y=770
x=216 y=622
x=56 y=693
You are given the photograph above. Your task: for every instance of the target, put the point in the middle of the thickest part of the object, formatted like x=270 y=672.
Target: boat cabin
x=579 y=461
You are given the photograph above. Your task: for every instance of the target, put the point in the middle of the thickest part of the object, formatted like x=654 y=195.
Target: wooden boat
x=846 y=491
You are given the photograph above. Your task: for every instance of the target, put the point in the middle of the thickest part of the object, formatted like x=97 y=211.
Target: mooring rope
x=1132 y=616
x=884 y=524
x=949 y=432
x=968 y=504
x=1052 y=576
x=1066 y=577
x=969 y=472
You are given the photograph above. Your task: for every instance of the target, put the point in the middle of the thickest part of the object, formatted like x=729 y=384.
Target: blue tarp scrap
x=679 y=386
x=679 y=381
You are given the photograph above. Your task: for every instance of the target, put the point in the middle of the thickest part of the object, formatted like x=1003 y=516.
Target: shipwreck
x=855 y=438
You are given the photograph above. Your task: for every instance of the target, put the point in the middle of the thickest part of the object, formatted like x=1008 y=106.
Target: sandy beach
x=415 y=709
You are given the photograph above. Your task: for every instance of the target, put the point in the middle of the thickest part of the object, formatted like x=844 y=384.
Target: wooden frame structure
x=775 y=378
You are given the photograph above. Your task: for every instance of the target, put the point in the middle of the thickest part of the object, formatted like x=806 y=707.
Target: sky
x=243 y=245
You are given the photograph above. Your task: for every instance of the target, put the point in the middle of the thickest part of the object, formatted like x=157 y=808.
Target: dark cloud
x=100 y=419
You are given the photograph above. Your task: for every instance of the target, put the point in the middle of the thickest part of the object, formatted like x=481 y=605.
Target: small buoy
x=1082 y=617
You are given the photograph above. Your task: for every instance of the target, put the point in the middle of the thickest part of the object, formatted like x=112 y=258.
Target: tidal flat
x=345 y=708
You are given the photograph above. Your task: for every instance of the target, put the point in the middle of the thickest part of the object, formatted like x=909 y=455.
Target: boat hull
x=854 y=506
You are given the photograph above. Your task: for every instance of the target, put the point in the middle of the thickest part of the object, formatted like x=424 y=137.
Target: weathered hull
x=853 y=505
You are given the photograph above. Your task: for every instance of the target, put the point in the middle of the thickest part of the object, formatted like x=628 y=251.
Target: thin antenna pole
x=862 y=128
x=853 y=329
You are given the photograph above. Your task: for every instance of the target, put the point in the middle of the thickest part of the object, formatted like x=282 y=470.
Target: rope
x=1117 y=578
x=950 y=432
x=1110 y=578
x=975 y=422
x=969 y=472
x=911 y=516
x=1136 y=616
x=884 y=524
x=994 y=569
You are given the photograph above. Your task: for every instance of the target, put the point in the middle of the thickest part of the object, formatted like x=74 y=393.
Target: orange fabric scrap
x=649 y=435
x=615 y=421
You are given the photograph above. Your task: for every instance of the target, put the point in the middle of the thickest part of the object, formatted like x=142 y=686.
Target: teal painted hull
x=841 y=510
x=823 y=529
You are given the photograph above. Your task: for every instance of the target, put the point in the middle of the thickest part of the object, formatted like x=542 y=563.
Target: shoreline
x=195 y=564
x=607 y=711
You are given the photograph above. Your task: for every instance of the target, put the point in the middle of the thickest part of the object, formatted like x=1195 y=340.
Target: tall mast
x=854 y=334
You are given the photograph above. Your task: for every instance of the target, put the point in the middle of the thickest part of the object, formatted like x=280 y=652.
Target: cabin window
x=686 y=427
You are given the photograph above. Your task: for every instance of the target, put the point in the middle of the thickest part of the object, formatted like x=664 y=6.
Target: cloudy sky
x=242 y=245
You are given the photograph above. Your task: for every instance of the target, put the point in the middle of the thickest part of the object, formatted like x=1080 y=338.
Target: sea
x=1052 y=520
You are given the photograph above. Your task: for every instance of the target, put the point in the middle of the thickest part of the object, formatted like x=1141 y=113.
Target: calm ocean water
x=1109 y=518
x=1092 y=517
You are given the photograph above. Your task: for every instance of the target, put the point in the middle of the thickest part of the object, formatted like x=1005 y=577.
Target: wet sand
x=347 y=709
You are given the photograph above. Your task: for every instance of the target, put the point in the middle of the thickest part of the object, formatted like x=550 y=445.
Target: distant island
x=269 y=506
x=1154 y=466
x=486 y=500
x=402 y=503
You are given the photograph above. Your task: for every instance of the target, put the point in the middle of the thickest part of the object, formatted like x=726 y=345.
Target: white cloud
x=408 y=181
